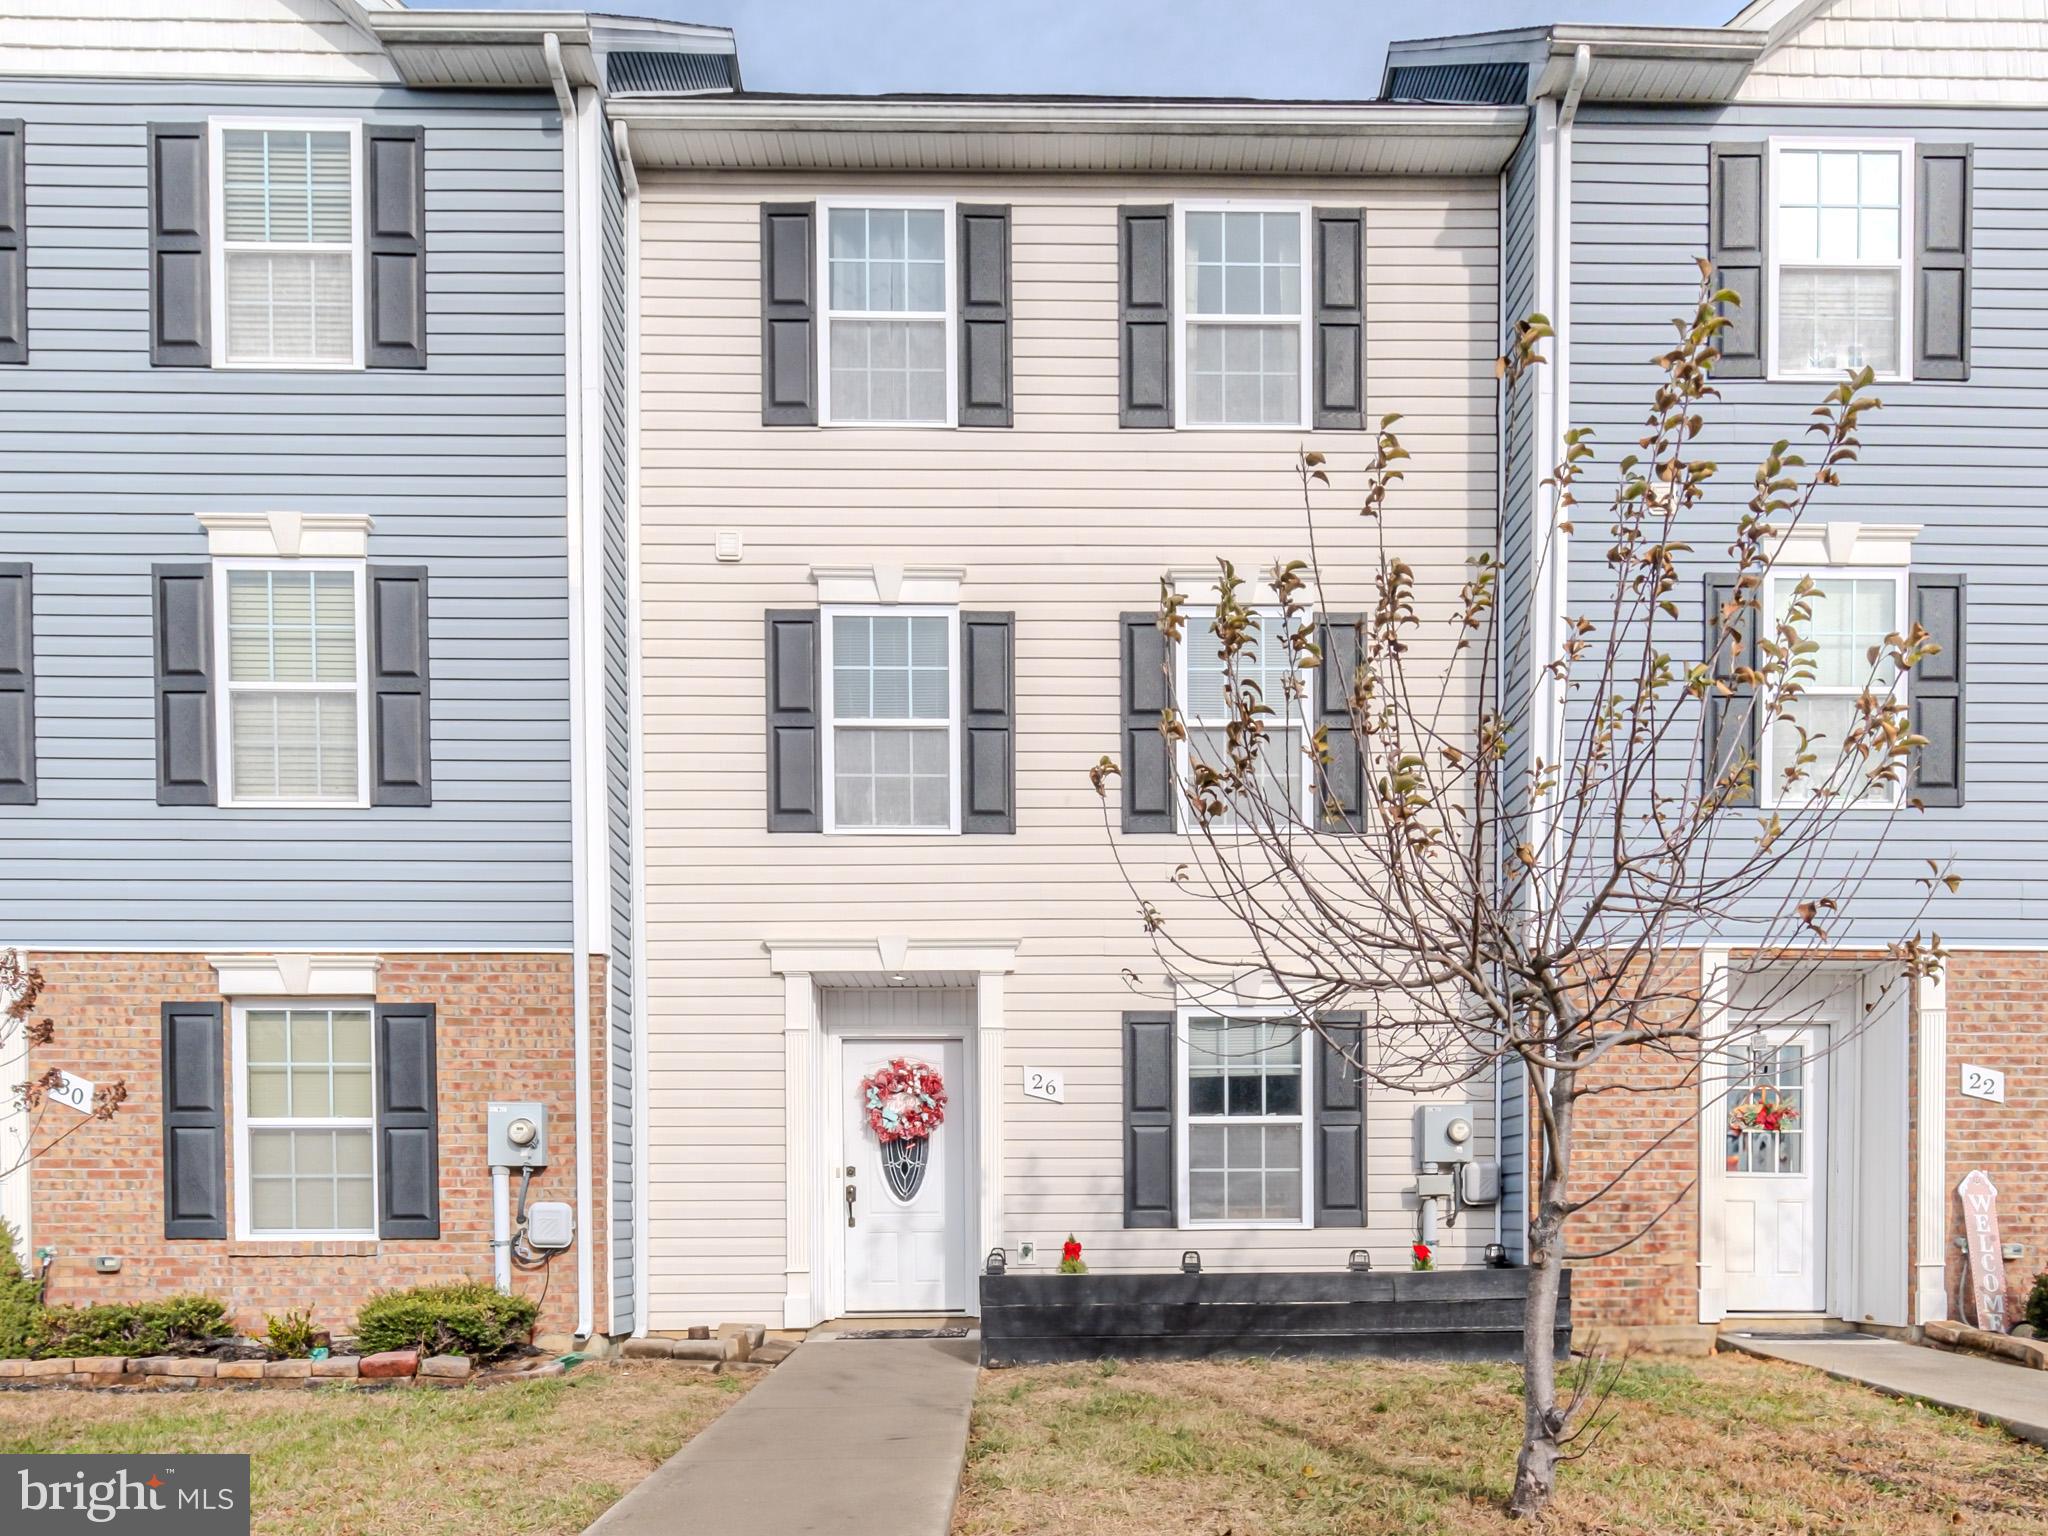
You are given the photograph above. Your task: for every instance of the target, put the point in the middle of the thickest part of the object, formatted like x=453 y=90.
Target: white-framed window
x=292 y=711
x=305 y=1120
x=287 y=243
x=1286 y=756
x=1840 y=253
x=1853 y=610
x=892 y=723
x=1244 y=1095
x=1243 y=314
x=886 y=275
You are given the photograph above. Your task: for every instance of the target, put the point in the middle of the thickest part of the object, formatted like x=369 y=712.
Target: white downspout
x=580 y=791
x=636 y=790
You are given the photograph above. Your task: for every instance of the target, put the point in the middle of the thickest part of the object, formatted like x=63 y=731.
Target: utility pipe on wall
x=580 y=793
x=501 y=1229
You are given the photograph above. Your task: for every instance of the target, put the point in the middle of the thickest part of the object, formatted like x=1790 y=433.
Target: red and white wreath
x=905 y=1100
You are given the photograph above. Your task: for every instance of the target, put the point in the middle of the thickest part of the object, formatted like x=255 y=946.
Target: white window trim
x=1182 y=316
x=216 y=261
x=1774 y=249
x=239 y=1046
x=826 y=313
x=1181 y=1017
x=223 y=702
x=1771 y=796
x=1196 y=621
x=829 y=717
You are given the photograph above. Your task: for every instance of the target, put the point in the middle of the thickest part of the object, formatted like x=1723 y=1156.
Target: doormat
x=905 y=1333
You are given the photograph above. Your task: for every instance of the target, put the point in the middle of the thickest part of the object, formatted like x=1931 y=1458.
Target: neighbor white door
x=906 y=1239
x=1774 y=1189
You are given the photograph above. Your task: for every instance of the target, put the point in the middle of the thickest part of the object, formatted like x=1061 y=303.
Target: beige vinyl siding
x=1975 y=53
x=189 y=40
x=1066 y=520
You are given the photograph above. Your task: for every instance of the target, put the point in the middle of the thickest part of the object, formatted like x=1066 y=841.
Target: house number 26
x=1042 y=1084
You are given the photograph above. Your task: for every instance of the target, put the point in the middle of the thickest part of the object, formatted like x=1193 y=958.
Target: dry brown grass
x=1724 y=1447
x=528 y=1459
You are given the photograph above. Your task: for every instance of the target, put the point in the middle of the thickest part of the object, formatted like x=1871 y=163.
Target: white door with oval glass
x=905 y=1201
x=1774 y=1189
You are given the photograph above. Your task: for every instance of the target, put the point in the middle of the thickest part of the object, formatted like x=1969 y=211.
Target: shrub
x=292 y=1335
x=177 y=1324
x=470 y=1319
x=20 y=1298
x=2037 y=1304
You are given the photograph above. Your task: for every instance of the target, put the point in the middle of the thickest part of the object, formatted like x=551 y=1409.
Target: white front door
x=1773 y=1194
x=906 y=1228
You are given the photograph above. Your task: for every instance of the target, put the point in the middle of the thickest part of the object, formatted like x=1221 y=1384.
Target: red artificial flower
x=1070 y=1250
x=1422 y=1252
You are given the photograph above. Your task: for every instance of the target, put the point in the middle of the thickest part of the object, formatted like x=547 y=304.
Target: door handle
x=849 y=1202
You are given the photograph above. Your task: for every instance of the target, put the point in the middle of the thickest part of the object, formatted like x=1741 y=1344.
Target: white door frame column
x=805 y=965
x=1930 y=1238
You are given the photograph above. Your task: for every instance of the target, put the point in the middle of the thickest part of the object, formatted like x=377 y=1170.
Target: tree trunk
x=1542 y=1422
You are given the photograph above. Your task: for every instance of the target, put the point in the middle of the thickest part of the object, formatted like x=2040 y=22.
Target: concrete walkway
x=1995 y=1391
x=857 y=1437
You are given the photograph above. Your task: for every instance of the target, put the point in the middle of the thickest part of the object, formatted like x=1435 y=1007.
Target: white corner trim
x=287 y=535
x=1846 y=543
x=296 y=975
x=883 y=583
x=891 y=954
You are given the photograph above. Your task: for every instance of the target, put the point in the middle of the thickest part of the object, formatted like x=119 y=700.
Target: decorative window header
x=936 y=585
x=1846 y=543
x=295 y=975
x=287 y=535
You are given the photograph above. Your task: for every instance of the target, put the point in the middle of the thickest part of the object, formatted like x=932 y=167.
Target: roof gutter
x=1271 y=120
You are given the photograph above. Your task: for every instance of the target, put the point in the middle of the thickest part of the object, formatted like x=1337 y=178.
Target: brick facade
x=1998 y=1018
x=504 y=1029
x=1648 y=1139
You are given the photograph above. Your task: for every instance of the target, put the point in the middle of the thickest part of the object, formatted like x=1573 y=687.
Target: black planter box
x=1469 y=1314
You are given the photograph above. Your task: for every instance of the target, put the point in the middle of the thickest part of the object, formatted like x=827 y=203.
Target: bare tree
x=1501 y=888
x=23 y=1029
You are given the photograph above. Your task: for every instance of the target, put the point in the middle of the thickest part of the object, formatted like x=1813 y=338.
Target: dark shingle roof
x=667 y=73
x=1492 y=84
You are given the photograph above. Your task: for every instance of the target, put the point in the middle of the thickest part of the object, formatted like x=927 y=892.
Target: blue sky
x=1302 y=48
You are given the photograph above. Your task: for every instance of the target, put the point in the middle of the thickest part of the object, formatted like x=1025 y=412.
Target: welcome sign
x=124 y=1495
x=1987 y=1255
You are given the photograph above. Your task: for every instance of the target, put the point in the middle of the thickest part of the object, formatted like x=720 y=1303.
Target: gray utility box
x=1446 y=1133
x=517 y=1135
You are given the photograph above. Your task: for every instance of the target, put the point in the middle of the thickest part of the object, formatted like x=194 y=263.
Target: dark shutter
x=1145 y=317
x=984 y=316
x=796 y=801
x=17 y=686
x=182 y=604
x=1343 y=787
x=13 y=242
x=180 y=335
x=1340 y=1121
x=195 y=1116
x=395 y=238
x=1340 y=319
x=1941 y=263
x=1735 y=242
x=1148 y=759
x=401 y=714
x=988 y=722
x=408 y=1134
x=1149 y=1095
x=1731 y=725
x=789 y=326
x=1935 y=686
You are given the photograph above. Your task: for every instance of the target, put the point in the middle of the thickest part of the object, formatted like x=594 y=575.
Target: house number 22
x=1983 y=1083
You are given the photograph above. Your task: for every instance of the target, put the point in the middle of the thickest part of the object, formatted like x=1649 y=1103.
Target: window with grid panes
x=288 y=246
x=1267 y=665
x=887 y=302
x=309 y=1120
x=892 y=742
x=293 y=684
x=1840 y=241
x=1851 y=614
x=1245 y=1122
x=1244 y=290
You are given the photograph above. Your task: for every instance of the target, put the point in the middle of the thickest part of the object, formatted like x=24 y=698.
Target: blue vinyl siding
x=461 y=466
x=1965 y=460
x=618 y=642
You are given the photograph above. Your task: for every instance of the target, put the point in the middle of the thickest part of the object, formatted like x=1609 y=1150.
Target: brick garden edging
x=740 y=1350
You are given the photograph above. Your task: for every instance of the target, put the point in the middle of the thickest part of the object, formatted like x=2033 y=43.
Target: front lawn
x=534 y=1458
x=1720 y=1447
